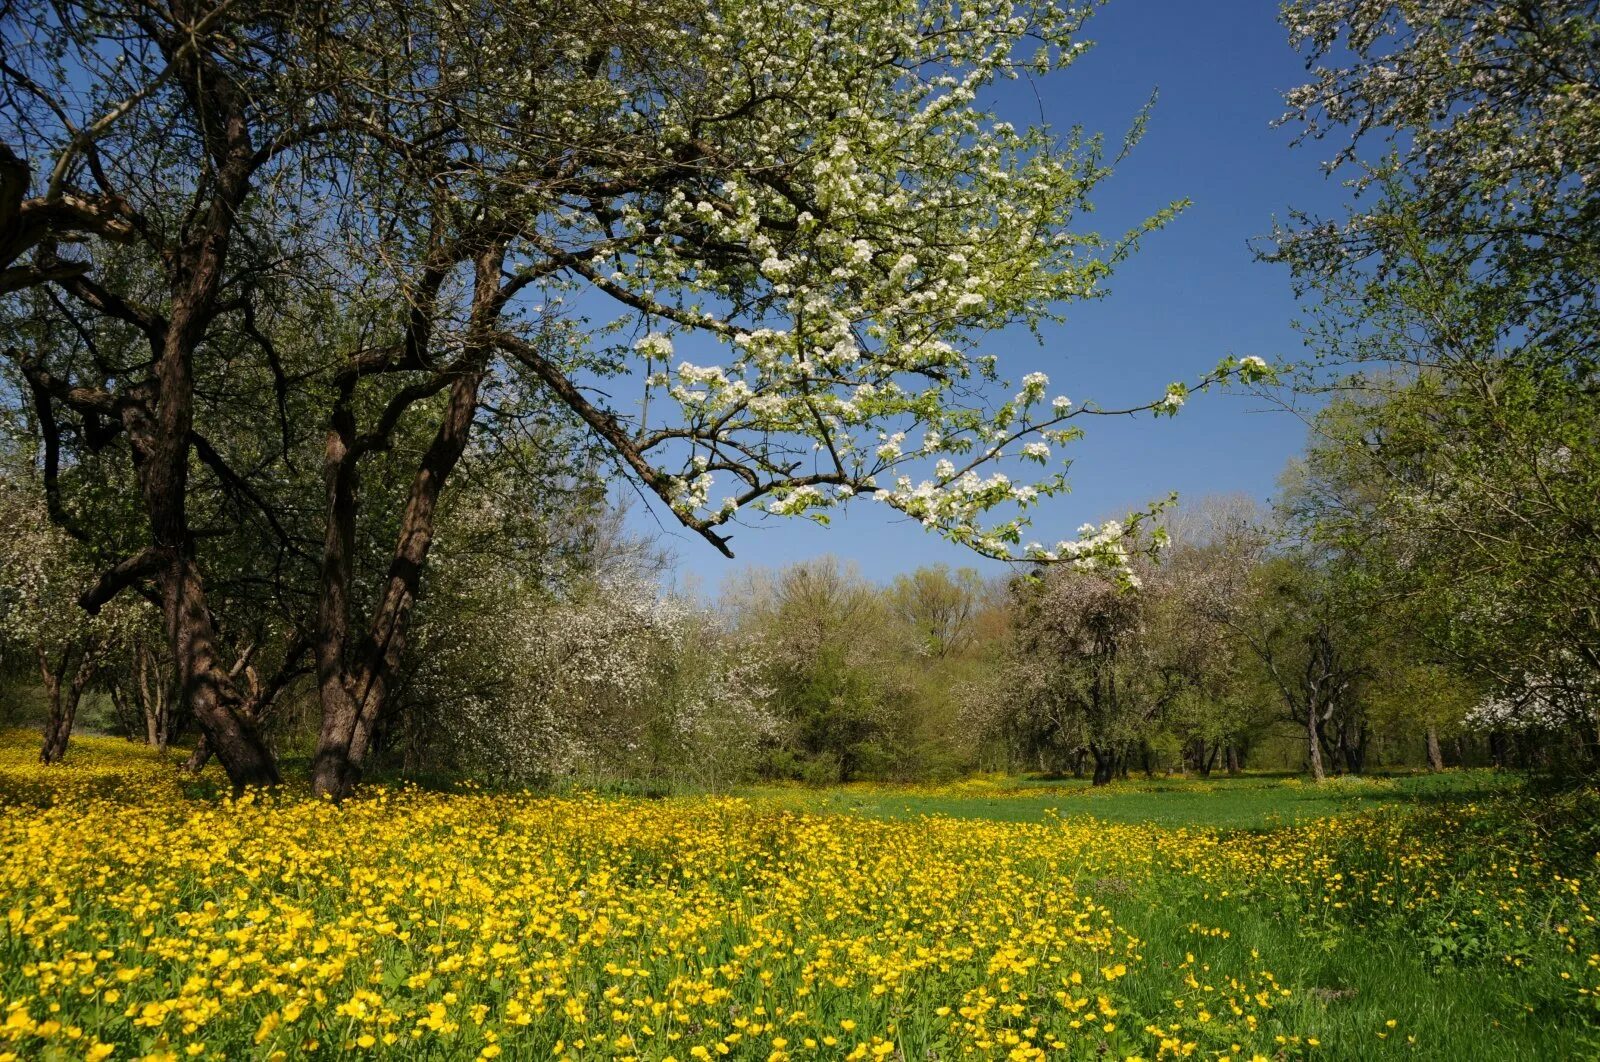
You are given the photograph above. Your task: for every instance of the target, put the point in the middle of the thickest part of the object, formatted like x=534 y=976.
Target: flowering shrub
x=613 y=678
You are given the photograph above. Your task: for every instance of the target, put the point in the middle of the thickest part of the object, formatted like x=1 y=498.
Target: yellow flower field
x=406 y=923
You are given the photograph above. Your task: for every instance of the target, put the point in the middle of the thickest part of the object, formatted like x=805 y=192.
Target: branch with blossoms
x=952 y=502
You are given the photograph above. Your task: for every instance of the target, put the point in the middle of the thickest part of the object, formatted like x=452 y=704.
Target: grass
x=1257 y=917
x=1250 y=801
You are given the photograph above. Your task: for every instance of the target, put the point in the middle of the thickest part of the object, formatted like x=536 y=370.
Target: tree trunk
x=1104 y=764
x=1435 y=755
x=51 y=675
x=64 y=697
x=355 y=685
x=155 y=696
x=1231 y=758
x=127 y=710
x=353 y=701
x=1314 y=745
x=229 y=727
x=199 y=757
x=1353 y=751
x=1497 y=749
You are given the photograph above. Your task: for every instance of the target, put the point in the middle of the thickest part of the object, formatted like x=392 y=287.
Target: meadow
x=145 y=916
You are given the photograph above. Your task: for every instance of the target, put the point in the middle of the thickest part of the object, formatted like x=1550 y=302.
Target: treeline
x=1237 y=644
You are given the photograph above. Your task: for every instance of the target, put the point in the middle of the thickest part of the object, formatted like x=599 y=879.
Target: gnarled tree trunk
x=1314 y=745
x=1105 y=764
x=354 y=681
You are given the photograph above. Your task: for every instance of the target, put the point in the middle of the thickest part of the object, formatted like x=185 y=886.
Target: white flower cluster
x=654 y=345
x=1541 y=702
x=585 y=683
x=1103 y=548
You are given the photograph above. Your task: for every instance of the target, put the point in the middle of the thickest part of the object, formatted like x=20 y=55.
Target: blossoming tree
x=1454 y=313
x=760 y=251
x=42 y=571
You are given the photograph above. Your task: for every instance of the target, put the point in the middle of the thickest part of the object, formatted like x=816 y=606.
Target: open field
x=1254 y=801
x=1417 y=917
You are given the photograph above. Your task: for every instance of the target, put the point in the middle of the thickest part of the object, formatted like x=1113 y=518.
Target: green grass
x=1251 y=801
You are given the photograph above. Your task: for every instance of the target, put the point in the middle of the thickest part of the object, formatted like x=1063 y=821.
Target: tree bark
x=1435 y=755
x=355 y=685
x=354 y=700
x=1353 y=750
x=64 y=697
x=1105 y=763
x=1314 y=745
x=199 y=757
x=229 y=725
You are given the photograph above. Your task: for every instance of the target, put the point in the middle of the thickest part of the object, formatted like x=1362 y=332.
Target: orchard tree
x=1080 y=675
x=42 y=572
x=1453 y=317
x=754 y=248
x=1478 y=119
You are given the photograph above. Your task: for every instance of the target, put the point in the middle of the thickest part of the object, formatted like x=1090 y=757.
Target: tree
x=831 y=656
x=1453 y=319
x=1215 y=546
x=114 y=176
x=1079 y=671
x=541 y=200
x=144 y=695
x=1488 y=137
x=940 y=606
x=1303 y=630
x=42 y=571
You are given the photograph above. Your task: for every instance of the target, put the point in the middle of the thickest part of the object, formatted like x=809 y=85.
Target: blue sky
x=1192 y=294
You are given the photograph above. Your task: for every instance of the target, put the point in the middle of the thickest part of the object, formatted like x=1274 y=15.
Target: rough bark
x=1353 y=750
x=1105 y=764
x=1314 y=745
x=199 y=757
x=229 y=726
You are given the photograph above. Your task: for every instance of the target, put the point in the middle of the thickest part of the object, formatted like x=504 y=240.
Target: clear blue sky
x=1192 y=295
